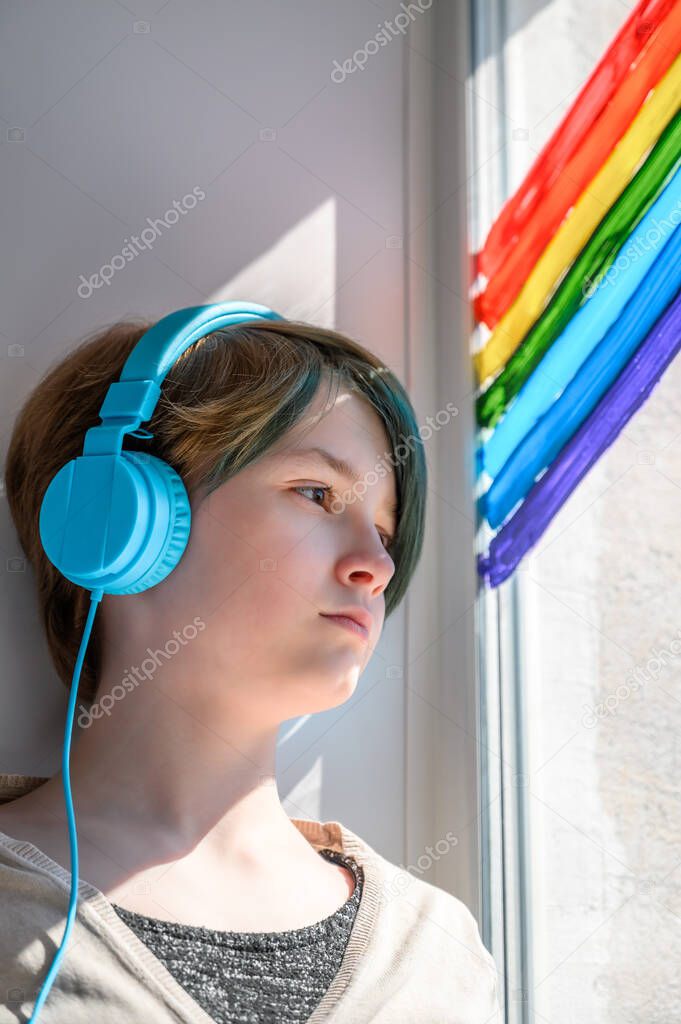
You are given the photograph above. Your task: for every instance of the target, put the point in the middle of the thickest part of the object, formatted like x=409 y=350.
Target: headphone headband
x=131 y=399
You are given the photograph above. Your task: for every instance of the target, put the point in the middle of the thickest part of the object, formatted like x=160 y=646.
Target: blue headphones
x=117 y=522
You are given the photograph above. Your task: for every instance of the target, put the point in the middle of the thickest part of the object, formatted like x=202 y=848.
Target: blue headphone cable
x=95 y=598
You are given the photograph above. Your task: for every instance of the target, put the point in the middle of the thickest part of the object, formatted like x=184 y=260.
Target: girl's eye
x=315 y=487
x=329 y=493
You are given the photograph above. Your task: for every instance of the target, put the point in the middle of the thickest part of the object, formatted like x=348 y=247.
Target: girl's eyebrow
x=337 y=464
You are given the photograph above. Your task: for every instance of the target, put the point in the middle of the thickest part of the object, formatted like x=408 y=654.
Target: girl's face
x=268 y=553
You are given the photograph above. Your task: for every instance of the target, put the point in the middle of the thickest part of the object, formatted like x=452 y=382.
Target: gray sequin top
x=254 y=977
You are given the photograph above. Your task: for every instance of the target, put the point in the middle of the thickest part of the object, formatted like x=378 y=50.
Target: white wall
x=336 y=202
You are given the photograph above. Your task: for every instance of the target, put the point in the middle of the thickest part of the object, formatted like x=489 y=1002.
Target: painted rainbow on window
x=577 y=344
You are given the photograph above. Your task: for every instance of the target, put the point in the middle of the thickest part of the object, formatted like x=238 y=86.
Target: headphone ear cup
x=119 y=522
x=169 y=488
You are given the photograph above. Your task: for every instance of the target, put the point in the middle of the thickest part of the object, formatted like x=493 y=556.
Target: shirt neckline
x=328 y=834
x=289 y=936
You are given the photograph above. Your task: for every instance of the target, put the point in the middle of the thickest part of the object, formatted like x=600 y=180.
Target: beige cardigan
x=414 y=956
